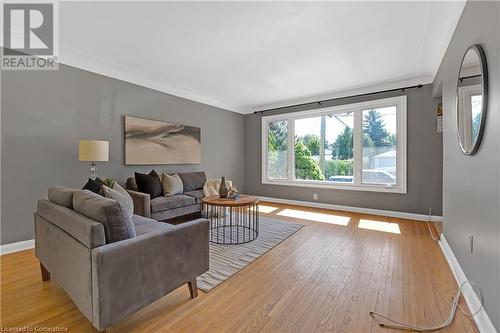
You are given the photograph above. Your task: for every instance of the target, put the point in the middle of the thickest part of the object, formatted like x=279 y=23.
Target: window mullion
x=265 y=150
x=358 y=146
x=291 y=149
x=402 y=145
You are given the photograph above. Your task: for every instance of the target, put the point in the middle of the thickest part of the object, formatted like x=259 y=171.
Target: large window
x=358 y=146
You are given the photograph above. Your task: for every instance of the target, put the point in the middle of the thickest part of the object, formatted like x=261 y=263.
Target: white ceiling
x=244 y=56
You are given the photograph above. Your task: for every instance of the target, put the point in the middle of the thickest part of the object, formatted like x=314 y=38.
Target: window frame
x=357 y=108
x=464 y=103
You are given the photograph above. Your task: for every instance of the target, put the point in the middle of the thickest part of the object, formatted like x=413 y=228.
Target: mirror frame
x=484 y=82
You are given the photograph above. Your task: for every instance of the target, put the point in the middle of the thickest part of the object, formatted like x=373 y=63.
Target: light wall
x=45 y=113
x=471 y=184
x=424 y=159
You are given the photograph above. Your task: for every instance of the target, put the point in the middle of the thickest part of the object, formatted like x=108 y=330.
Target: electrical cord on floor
x=428 y=222
x=394 y=324
x=409 y=327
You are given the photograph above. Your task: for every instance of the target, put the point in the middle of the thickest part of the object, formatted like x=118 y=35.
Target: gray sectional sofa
x=110 y=281
x=164 y=208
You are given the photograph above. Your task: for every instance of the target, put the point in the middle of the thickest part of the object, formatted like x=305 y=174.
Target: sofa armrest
x=87 y=231
x=142 y=203
x=130 y=274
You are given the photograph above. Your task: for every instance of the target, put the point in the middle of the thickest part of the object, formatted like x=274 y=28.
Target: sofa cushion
x=176 y=212
x=172 y=184
x=117 y=223
x=193 y=180
x=149 y=183
x=146 y=228
x=164 y=203
x=61 y=195
x=138 y=220
x=197 y=195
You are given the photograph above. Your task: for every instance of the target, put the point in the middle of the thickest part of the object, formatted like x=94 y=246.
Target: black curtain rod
x=339 y=98
x=469 y=77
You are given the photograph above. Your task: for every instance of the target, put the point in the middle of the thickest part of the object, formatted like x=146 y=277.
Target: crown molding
x=87 y=62
x=349 y=92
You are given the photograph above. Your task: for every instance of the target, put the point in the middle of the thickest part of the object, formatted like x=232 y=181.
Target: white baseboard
x=361 y=210
x=18 y=246
x=482 y=320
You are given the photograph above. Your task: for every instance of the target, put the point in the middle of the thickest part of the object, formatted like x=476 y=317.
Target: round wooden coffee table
x=232 y=221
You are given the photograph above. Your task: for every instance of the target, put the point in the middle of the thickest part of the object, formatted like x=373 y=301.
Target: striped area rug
x=227 y=260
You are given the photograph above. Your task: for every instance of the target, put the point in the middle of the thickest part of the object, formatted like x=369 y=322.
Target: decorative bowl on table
x=233 y=194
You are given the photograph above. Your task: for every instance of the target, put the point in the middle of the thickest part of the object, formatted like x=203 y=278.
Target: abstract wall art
x=157 y=142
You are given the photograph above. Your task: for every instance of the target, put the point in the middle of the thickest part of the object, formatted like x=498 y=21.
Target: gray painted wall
x=424 y=162
x=471 y=184
x=45 y=113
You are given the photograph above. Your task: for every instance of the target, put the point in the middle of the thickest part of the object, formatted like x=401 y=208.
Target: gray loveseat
x=108 y=282
x=164 y=208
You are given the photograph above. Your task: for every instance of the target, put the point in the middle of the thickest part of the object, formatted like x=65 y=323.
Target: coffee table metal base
x=232 y=225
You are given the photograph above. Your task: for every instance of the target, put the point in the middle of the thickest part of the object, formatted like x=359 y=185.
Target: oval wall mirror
x=472 y=97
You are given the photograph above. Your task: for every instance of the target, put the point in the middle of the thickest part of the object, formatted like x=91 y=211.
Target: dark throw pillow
x=149 y=183
x=119 y=223
x=93 y=185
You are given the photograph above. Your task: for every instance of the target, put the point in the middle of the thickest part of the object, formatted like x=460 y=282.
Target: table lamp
x=93 y=151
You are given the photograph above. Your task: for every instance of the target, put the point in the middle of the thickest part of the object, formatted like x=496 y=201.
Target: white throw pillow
x=212 y=186
x=120 y=189
x=172 y=184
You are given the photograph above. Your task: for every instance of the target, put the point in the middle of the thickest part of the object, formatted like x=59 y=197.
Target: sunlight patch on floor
x=392 y=228
x=317 y=217
x=266 y=209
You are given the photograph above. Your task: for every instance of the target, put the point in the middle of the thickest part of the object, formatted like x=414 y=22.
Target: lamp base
x=93 y=175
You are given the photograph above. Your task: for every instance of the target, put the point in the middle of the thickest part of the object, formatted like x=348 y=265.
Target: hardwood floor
x=325 y=278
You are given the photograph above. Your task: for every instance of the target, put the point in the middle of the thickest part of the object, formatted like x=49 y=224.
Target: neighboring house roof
x=390 y=153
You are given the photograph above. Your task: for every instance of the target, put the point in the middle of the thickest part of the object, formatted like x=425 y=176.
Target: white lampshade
x=93 y=150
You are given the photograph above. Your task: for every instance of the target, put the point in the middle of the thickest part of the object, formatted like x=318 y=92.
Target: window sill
x=349 y=187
